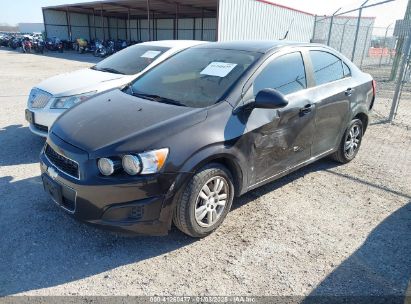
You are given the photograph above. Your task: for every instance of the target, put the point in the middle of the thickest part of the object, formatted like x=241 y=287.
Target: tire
x=352 y=138
x=184 y=217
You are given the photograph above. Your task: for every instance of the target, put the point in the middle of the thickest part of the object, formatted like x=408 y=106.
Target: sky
x=13 y=12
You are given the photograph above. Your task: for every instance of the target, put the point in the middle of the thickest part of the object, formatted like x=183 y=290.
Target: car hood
x=77 y=82
x=114 y=123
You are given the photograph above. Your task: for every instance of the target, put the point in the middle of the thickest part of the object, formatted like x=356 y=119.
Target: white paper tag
x=219 y=69
x=150 y=54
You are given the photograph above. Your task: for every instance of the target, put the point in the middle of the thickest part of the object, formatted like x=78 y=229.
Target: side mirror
x=270 y=99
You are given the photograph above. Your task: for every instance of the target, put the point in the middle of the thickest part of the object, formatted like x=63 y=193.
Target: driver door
x=280 y=139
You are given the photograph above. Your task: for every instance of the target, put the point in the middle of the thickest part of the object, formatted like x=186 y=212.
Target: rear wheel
x=350 y=143
x=205 y=201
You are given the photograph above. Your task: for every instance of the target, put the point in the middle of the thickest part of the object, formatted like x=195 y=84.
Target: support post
x=148 y=20
x=68 y=24
x=194 y=28
x=108 y=28
x=202 y=24
x=314 y=28
x=217 y=19
x=331 y=26
x=343 y=34
x=365 y=46
x=94 y=24
x=117 y=28
x=128 y=36
x=384 y=44
x=357 y=30
x=102 y=23
x=154 y=27
x=404 y=62
x=45 y=25
x=139 y=30
x=176 y=23
x=88 y=25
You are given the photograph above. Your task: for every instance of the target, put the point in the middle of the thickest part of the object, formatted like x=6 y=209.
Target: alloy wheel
x=211 y=201
x=352 y=141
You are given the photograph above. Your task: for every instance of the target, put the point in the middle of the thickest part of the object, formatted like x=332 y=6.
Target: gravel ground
x=323 y=230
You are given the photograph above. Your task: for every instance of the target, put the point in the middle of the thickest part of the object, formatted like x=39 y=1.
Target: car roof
x=174 y=43
x=261 y=46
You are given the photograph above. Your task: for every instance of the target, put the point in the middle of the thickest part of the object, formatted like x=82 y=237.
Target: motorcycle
x=82 y=45
x=14 y=43
x=98 y=48
x=38 y=46
x=109 y=49
x=54 y=44
x=26 y=45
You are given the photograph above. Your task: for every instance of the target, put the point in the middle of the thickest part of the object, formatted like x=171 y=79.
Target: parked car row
x=171 y=132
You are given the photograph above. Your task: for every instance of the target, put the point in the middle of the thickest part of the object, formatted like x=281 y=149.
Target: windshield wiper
x=157 y=98
x=109 y=70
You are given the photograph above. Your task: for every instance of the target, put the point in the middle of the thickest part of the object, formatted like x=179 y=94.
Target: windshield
x=195 y=77
x=131 y=60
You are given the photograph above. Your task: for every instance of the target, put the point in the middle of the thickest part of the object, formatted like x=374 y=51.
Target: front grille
x=61 y=162
x=38 y=98
x=41 y=128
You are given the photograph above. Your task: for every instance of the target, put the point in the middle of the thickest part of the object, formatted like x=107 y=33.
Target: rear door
x=280 y=139
x=332 y=94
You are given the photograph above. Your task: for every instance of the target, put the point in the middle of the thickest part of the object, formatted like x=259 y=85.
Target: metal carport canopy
x=142 y=8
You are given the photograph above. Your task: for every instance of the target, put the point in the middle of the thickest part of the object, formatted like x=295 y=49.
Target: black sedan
x=207 y=125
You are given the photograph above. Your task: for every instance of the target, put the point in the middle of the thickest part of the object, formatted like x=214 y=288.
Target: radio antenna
x=289 y=27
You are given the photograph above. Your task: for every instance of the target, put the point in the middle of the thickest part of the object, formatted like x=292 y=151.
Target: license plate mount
x=29 y=116
x=53 y=189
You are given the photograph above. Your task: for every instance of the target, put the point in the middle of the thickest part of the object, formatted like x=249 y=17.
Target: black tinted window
x=195 y=77
x=285 y=74
x=327 y=67
x=131 y=60
x=347 y=71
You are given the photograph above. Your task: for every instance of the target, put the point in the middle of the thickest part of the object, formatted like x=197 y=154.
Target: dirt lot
x=326 y=229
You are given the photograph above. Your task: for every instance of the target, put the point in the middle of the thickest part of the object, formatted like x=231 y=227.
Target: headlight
x=69 y=101
x=106 y=166
x=145 y=163
x=131 y=164
x=153 y=161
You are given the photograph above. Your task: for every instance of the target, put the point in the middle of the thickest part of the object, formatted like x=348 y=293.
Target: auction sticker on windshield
x=150 y=54
x=219 y=69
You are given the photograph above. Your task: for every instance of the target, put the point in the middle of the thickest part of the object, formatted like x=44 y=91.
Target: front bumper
x=138 y=205
x=43 y=119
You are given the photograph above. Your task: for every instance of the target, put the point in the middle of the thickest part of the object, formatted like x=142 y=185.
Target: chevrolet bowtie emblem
x=52 y=172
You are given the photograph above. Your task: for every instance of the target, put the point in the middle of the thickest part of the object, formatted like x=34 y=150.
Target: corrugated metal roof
x=165 y=8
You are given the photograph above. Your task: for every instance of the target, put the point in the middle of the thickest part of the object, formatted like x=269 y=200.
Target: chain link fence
x=377 y=51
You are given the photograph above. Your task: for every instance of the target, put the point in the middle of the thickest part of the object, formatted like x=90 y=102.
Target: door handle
x=349 y=91
x=306 y=109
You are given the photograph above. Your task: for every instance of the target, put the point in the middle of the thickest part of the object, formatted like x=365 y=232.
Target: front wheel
x=350 y=143
x=205 y=201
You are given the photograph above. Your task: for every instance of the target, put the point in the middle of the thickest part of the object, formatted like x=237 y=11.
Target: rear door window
x=285 y=74
x=346 y=69
x=326 y=66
